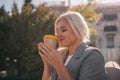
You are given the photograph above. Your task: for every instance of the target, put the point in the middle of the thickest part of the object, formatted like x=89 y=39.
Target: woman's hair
x=77 y=23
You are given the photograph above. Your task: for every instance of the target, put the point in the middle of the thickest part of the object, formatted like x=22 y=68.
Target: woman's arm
x=63 y=73
x=47 y=68
x=54 y=58
x=46 y=72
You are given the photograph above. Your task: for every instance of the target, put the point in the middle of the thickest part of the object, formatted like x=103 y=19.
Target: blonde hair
x=77 y=23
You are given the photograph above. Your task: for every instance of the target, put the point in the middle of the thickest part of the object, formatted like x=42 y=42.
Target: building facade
x=108 y=28
x=57 y=6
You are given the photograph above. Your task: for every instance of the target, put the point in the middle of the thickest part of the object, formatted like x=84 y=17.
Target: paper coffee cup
x=51 y=40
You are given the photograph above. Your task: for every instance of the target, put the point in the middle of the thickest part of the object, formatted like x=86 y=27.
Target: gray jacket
x=86 y=64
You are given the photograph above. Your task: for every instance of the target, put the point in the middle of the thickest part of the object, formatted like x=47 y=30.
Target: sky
x=9 y=3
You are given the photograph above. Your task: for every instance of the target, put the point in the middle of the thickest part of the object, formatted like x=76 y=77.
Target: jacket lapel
x=80 y=51
x=74 y=64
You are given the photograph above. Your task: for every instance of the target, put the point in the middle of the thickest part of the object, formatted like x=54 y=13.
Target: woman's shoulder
x=93 y=51
x=94 y=54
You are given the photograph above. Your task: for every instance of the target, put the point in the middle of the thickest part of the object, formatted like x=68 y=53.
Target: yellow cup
x=51 y=40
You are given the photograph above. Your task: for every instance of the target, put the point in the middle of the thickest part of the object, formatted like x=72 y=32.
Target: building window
x=110 y=17
x=110 y=41
x=110 y=28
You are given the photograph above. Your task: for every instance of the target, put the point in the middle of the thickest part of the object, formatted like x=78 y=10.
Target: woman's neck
x=72 y=49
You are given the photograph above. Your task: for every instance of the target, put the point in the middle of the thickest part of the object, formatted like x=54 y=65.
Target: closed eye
x=63 y=30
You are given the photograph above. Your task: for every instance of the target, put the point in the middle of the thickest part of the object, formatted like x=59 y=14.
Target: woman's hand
x=49 y=55
x=42 y=56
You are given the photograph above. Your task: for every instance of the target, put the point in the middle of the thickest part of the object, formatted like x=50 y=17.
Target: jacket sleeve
x=92 y=67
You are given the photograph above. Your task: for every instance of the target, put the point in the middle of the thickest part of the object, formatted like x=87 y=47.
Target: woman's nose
x=59 y=35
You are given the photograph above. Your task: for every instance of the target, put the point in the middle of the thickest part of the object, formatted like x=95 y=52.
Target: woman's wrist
x=59 y=65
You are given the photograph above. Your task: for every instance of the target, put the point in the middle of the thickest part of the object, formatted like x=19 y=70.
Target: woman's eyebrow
x=62 y=27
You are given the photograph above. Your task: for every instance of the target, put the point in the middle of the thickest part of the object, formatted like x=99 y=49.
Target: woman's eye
x=63 y=30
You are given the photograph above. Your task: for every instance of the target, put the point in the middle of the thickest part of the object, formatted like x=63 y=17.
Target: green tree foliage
x=20 y=34
x=27 y=8
x=4 y=29
x=14 y=10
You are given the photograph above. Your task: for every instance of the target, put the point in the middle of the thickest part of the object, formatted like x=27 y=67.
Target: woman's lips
x=60 y=39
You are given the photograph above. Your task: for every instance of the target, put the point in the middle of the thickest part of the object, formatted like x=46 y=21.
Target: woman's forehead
x=62 y=23
x=61 y=20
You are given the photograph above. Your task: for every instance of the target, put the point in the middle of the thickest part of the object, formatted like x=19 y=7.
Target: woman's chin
x=63 y=45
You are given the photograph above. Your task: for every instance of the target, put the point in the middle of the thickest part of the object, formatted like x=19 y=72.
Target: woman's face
x=65 y=34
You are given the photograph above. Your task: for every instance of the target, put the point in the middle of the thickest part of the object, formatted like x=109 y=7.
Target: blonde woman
x=80 y=61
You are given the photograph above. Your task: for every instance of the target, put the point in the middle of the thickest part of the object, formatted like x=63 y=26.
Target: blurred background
x=23 y=23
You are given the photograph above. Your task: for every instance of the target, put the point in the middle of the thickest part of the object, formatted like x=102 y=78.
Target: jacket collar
x=80 y=51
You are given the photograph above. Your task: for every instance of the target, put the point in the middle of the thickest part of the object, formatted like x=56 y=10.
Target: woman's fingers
x=48 y=47
x=43 y=51
x=49 y=54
